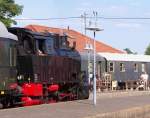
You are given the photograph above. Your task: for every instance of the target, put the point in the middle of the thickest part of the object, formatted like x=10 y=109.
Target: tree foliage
x=8 y=10
x=128 y=51
x=147 y=51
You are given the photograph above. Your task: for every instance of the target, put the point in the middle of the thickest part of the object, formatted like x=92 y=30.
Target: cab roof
x=5 y=34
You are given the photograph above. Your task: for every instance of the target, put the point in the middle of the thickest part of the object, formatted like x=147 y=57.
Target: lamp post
x=94 y=29
x=88 y=47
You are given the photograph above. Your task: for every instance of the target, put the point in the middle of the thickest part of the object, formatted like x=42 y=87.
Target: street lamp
x=89 y=48
x=94 y=29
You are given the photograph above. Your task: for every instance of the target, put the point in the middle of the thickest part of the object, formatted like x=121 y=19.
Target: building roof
x=81 y=40
x=125 y=57
x=5 y=34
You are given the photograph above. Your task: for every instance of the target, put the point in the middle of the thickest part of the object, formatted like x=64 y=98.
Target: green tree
x=8 y=10
x=129 y=51
x=147 y=51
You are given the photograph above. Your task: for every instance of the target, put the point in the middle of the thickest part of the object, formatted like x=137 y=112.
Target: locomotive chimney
x=74 y=45
x=68 y=28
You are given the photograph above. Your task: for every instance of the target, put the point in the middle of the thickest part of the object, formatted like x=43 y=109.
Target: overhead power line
x=61 y=18
x=124 y=18
x=78 y=17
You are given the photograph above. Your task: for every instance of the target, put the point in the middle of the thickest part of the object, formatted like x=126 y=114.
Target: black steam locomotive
x=38 y=68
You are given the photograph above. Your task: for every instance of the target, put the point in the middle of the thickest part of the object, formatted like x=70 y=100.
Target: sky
x=133 y=34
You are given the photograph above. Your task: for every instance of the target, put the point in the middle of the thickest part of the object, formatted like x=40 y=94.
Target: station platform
x=81 y=108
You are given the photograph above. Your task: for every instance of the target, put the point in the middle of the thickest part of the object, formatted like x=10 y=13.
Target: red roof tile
x=80 y=39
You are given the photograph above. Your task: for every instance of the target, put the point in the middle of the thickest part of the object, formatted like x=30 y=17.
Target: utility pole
x=84 y=16
x=94 y=29
x=88 y=47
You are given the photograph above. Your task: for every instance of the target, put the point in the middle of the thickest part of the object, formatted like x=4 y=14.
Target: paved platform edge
x=135 y=112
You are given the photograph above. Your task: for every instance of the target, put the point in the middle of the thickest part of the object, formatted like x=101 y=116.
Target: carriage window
x=122 y=67
x=111 y=67
x=4 y=52
x=14 y=56
x=135 y=67
x=143 y=67
x=12 y=52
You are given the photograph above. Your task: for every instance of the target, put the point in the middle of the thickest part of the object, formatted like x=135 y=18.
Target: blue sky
x=133 y=34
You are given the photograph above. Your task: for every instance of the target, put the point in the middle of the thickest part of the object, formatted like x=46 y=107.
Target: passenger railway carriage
x=125 y=69
x=8 y=71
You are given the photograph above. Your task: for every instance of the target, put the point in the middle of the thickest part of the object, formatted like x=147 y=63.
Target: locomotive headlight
x=20 y=77
x=29 y=79
x=2 y=92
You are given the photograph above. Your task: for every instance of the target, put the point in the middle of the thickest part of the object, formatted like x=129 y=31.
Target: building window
x=135 y=67
x=122 y=67
x=143 y=67
x=111 y=67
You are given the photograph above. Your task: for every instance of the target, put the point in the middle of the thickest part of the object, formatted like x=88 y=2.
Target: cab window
x=64 y=44
x=40 y=44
